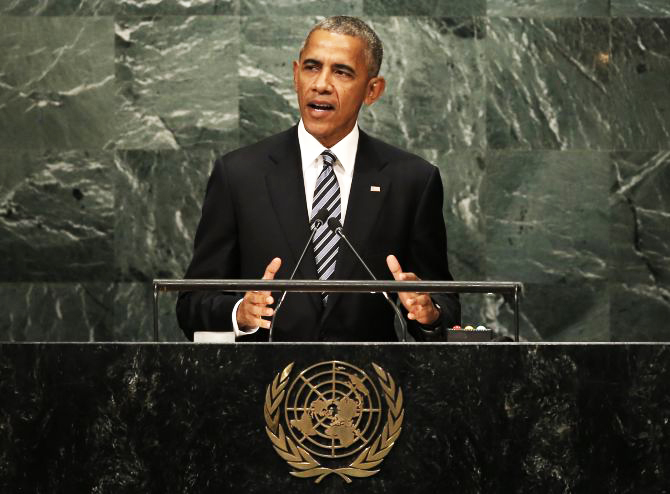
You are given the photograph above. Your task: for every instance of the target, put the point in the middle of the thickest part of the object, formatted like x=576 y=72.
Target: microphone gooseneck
x=335 y=225
x=316 y=223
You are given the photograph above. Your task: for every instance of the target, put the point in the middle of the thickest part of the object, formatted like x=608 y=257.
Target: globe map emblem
x=333 y=409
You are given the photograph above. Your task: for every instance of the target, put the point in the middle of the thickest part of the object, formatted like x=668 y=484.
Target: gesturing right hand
x=254 y=305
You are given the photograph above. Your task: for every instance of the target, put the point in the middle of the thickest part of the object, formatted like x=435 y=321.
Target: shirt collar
x=345 y=150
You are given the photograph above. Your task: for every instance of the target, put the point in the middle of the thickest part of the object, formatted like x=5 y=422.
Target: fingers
x=420 y=307
x=397 y=272
x=254 y=306
x=256 y=311
x=259 y=311
x=409 y=277
x=394 y=267
x=260 y=298
x=398 y=275
x=419 y=300
x=271 y=269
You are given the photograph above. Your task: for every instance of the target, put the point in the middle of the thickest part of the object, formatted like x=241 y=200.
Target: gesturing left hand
x=420 y=306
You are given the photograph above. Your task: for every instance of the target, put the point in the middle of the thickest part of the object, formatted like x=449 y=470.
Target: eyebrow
x=337 y=66
x=345 y=67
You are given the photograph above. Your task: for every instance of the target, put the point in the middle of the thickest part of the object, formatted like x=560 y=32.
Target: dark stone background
x=549 y=119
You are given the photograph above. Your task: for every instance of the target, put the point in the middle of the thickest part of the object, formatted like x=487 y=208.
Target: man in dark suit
x=259 y=201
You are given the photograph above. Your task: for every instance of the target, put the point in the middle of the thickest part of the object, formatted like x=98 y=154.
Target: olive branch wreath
x=303 y=462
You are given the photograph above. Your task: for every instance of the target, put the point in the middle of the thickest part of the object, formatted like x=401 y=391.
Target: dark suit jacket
x=255 y=210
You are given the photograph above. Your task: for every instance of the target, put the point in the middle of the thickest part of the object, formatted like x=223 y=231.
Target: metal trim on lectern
x=501 y=287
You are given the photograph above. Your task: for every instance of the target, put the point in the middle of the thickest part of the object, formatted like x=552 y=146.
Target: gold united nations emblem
x=332 y=413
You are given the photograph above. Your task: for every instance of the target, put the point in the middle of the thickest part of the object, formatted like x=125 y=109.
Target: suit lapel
x=369 y=188
x=286 y=189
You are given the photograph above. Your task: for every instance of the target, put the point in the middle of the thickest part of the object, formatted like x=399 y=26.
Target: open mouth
x=321 y=106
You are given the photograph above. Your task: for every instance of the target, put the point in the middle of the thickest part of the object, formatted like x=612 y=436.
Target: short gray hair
x=353 y=26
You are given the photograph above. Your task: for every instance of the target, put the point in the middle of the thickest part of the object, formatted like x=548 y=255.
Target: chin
x=318 y=131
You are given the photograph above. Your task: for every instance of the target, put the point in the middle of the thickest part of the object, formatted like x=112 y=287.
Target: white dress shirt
x=312 y=164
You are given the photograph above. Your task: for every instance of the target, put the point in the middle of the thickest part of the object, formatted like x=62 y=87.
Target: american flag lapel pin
x=375 y=188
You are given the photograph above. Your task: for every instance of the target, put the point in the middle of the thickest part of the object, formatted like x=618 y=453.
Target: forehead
x=341 y=48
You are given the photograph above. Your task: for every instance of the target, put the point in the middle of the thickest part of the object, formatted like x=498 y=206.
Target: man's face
x=331 y=79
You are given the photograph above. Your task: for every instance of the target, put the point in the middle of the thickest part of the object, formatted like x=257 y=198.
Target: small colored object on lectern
x=481 y=327
x=469 y=328
x=456 y=327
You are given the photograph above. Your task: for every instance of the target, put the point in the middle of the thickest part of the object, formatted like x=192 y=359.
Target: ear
x=296 y=71
x=374 y=90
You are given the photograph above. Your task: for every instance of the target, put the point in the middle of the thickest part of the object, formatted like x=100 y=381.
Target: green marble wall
x=549 y=119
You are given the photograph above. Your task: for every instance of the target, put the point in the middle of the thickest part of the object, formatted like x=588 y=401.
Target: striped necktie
x=326 y=195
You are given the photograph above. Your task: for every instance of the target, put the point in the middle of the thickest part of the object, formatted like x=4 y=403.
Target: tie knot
x=328 y=157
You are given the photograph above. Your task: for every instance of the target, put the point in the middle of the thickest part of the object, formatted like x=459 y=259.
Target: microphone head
x=320 y=217
x=334 y=223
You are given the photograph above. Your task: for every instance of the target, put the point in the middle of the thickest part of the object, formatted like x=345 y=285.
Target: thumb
x=394 y=266
x=271 y=269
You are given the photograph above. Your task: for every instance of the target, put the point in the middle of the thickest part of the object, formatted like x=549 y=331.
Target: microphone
x=319 y=219
x=335 y=225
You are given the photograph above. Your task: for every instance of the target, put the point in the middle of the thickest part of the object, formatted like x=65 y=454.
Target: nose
x=322 y=83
